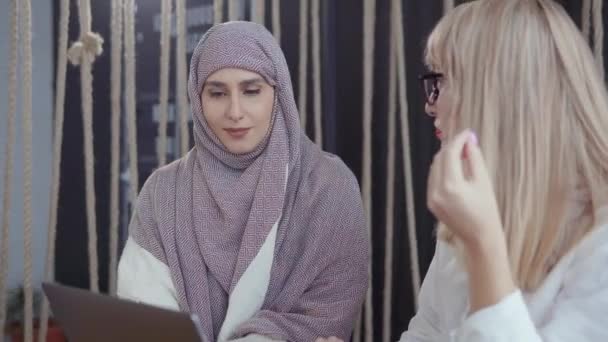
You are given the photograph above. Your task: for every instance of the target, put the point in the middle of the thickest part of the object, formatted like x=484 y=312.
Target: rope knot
x=89 y=46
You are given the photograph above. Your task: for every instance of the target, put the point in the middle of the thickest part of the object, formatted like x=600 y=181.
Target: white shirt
x=571 y=305
x=145 y=279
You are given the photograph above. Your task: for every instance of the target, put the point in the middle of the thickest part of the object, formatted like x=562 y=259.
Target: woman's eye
x=252 y=92
x=216 y=94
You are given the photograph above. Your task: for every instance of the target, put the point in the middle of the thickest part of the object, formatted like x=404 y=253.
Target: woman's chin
x=239 y=147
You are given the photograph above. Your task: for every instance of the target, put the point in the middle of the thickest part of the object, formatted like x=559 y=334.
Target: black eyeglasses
x=430 y=85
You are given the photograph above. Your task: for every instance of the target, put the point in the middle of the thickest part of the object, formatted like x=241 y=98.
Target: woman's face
x=237 y=105
x=439 y=107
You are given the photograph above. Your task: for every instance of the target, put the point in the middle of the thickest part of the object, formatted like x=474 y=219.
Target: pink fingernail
x=473 y=138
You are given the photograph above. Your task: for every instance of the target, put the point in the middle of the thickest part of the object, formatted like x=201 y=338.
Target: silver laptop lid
x=90 y=317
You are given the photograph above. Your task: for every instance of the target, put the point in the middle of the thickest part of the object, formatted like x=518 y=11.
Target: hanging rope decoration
x=165 y=49
x=129 y=39
x=83 y=53
x=598 y=36
x=89 y=45
x=233 y=10
x=390 y=191
x=369 y=23
x=115 y=96
x=316 y=68
x=405 y=143
x=276 y=20
x=26 y=105
x=303 y=62
x=182 y=95
x=218 y=9
x=586 y=19
x=62 y=62
x=8 y=156
x=258 y=10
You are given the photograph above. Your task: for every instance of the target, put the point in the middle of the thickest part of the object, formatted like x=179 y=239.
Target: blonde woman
x=520 y=182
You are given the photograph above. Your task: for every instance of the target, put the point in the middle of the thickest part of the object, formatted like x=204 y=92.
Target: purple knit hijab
x=249 y=189
x=207 y=214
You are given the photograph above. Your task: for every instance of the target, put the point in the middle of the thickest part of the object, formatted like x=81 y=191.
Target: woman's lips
x=438 y=133
x=237 y=132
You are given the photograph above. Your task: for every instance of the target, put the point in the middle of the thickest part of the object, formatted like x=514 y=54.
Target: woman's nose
x=235 y=112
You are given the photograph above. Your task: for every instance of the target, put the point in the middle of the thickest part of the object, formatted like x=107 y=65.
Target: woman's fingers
x=435 y=174
x=475 y=161
x=455 y=152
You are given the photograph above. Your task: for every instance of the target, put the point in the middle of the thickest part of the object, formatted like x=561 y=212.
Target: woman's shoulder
x=156 y=200
x=585 y=267
x=330 y=197
x=165 y=176
x=593 y=248
x=590 y=255
x=330 y=172
x=328 y=190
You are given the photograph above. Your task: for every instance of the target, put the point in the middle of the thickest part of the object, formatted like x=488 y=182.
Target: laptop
x=88 y=317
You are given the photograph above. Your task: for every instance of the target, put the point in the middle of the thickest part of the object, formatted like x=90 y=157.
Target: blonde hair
x=523 y=78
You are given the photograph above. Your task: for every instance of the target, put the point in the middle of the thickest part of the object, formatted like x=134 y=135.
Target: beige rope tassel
x=182 y=66
x=218 y=10
x=62 y=62
x=115 y=96
x=89 y=44
x=83 y=53
x=316 y=67
x=303 y=62
x=131 y=110
x=163 y=107
x=258 y=11
x=390 y=191
x=447 y=5
x=405 y=143
x=369 y=24
x=276 y=20
x=26 y=105
x=586 y=19
x=598 y=34
x=9 y=159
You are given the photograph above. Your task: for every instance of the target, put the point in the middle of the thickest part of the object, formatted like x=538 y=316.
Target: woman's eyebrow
x=243 y=83
x=251 y=81
x=215 y=84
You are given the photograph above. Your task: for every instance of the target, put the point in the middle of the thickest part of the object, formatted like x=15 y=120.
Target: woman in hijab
x=256 y=230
